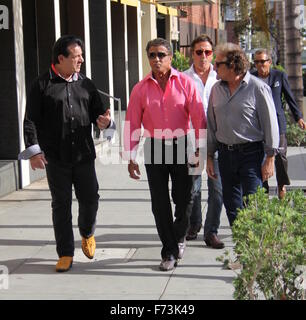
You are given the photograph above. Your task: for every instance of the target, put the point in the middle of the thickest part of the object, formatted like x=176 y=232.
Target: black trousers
x=171 y=230
x=61 y=178
x=281 y=164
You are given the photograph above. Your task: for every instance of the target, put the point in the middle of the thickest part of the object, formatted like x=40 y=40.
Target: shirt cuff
x=109 y=132
x=270 y=152
x=29 y=152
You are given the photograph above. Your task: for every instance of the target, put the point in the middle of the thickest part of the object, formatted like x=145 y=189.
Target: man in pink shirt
x=163 y=102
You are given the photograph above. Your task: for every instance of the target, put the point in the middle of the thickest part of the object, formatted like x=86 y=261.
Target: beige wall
x=149 y=31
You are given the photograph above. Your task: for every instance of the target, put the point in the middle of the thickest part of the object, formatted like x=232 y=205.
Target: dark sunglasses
x=221 y=62
x=200 y=52
x=261 y=61
x=160 y=55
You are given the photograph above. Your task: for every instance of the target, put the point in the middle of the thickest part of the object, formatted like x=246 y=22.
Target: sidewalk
x=128 y=248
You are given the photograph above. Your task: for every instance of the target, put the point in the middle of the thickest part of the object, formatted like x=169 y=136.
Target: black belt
x=239 y=146
x=170 y=142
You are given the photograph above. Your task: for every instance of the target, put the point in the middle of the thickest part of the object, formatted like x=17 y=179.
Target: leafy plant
x=279 y=67
x=295 y=135
x=180 y=62
x=269 y=237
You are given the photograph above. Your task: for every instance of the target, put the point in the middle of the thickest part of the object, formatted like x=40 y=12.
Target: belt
x=170 y=142
x=239 y=146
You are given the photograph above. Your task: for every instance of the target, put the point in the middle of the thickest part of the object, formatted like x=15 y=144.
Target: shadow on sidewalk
x=102 y=268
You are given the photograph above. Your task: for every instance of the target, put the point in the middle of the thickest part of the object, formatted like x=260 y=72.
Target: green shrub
x=295 y=135
x=279 y=67
x=269 y=238
x=180 y=62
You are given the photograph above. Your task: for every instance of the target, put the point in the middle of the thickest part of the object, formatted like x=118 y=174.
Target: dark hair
x=201 y=38
x=159 y=42
x=235 y=57
x=62 y=44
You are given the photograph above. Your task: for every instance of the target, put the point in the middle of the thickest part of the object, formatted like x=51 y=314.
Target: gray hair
x=159 y=42
x=264 y=51
x=235 y=57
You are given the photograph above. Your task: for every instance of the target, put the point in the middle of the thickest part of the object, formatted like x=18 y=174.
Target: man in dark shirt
x=62 y=105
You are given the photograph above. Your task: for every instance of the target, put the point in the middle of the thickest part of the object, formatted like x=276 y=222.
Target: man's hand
x=267 y=169
x=104 y=120
x=302 y=124
x=38 y=161
x=210 y=168
x=194 y=160
x=132 y=168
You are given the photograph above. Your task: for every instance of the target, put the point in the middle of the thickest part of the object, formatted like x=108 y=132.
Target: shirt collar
x=245 y=79
x=173 y=73
x=211 y=68
x=54 y=73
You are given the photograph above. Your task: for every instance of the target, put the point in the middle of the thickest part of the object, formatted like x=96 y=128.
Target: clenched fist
x=104 y=120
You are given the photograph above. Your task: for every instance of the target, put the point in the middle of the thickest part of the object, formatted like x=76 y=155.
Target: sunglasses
x=160 y=55
x=221 y=62
x=261 y=61
x=200 y=52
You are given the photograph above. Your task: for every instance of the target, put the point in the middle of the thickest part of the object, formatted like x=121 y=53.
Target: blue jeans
x=240 y=171
x=214 y=203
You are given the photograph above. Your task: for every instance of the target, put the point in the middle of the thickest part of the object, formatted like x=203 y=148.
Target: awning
x=173 y=12
x=133 y=3
x=162 y=9
x=167 y=10
x=182 y=3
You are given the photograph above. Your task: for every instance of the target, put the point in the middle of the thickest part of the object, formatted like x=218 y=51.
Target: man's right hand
x=38 y=161
x=210 y=168
x=132 y=168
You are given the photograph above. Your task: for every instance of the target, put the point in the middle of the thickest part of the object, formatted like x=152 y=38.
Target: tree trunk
x=280 y=9
x=294 y=50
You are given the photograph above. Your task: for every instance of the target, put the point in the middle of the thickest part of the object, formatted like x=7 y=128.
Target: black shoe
x=168 y=263
x=213 y=241
x=193 y=231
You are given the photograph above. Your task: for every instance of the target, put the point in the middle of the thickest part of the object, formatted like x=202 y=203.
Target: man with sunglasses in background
x=242 y=126
x=205 y=77
x=278 y=82
x=163 y=102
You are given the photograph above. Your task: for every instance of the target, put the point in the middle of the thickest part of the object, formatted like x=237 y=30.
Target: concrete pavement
x=128 y=248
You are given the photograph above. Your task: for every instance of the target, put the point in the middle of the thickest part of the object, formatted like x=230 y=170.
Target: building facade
x=115 y=33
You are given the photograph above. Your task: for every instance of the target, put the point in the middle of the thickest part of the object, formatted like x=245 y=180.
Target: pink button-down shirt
x=163 y=114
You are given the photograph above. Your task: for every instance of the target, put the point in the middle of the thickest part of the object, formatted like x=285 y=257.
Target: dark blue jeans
x=240 y=171
x=61 y=178
x=214 y=202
